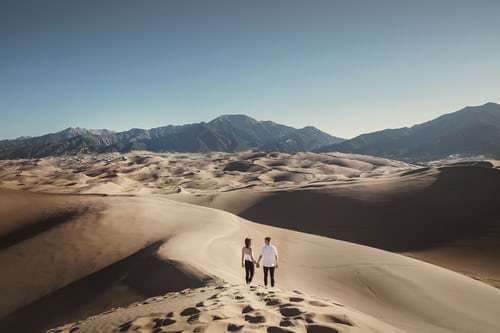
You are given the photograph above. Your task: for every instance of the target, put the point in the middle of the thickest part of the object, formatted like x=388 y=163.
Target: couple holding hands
x=270 y=255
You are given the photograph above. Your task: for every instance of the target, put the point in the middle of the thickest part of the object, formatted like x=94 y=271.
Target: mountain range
x=228 y=133
x=468 y=132
x=471 y=131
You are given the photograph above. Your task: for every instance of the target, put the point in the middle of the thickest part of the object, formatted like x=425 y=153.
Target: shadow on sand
x=132 y=279
x=463 y=201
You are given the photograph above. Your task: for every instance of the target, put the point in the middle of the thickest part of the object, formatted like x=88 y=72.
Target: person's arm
x=276 y=257
x=253 y=259
x=242 y=257
x=251 y=256
x=258 y=261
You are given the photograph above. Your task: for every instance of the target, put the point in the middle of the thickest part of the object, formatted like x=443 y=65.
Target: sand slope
x=408 y=294
x=232 y=308
x=449 y=216
x=108 y=235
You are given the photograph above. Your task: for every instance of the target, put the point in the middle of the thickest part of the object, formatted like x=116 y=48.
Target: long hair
x=247 y=242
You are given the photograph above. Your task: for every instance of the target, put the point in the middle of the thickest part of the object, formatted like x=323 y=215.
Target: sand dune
x=407 y=294
x=232 y=308
x=69 y=255
x=163 y=173
x=448 y=216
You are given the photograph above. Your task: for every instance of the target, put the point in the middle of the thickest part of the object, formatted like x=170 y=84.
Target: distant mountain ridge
x=471 y=131
x=228 y=133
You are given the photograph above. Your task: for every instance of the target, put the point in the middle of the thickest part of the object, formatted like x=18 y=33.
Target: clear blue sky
x=346 y=67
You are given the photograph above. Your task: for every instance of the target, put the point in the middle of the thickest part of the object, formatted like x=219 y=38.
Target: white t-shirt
x=268 y=253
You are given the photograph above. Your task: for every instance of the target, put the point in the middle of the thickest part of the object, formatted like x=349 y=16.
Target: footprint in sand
x=286 y=323
x=234 y=328
x=296 y=299
x=275 y=329
x=158 y=322
x=321 y=329
x=189 y=312
x=255 y=319
x=290 y=312
x=272 y=301
x=167 y=322
x=247 y=309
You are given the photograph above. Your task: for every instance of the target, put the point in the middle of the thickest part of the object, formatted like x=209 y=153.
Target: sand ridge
x=166 y=173
x=232 y=308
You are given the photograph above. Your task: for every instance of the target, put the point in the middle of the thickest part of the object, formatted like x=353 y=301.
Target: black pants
x=271 y=271
x=249 y=271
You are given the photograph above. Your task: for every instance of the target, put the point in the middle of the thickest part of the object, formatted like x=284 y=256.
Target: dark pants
x=249 y=270
x=271 y=271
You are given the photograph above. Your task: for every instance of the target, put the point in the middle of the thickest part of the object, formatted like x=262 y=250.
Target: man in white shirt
x=270 y=254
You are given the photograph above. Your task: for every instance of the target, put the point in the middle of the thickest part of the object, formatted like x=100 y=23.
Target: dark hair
x=267 y=239
x=247 y=242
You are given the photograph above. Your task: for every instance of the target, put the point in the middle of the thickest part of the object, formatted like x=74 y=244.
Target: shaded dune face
x=40 y=225
x=62 y=260
x=132 y=279
x=460 y=202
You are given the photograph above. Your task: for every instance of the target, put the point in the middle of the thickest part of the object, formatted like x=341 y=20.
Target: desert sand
x=232 y=308
x=91 y=234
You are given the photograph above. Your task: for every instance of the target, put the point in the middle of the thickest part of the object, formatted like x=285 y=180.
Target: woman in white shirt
x=247 y=260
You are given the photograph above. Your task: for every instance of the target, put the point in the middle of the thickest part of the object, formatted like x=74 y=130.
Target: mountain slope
x=470 y=131
x=228 y=133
